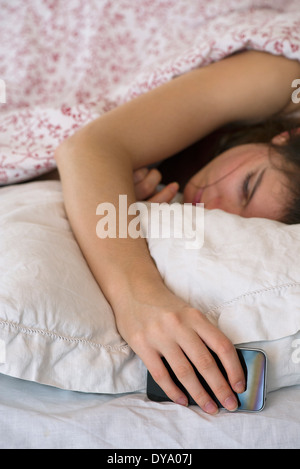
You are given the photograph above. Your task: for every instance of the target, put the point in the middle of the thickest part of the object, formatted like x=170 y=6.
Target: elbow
x=57 y=154
x=63 y=150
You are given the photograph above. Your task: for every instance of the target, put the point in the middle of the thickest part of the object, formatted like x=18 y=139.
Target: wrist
x=136 y=279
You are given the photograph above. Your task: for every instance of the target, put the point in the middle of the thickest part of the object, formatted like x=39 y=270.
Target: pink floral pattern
x=65 y=63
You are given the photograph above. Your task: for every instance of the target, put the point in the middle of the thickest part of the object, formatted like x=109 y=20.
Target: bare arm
x=96 y=165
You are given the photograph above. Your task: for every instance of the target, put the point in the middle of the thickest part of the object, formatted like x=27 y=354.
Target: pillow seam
x=252 y=293
x=31 y=331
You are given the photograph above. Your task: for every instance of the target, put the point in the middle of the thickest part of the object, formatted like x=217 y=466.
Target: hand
x=146 y=182
x=160 y=324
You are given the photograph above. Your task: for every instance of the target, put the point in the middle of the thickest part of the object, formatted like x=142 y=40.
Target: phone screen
x=254 y=363
x=253 y=399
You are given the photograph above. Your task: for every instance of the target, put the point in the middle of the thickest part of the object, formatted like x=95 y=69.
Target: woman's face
x=242 y=181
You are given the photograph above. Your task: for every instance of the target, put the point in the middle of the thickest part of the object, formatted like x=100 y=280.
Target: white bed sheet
x=37 y=416
x=34 y=416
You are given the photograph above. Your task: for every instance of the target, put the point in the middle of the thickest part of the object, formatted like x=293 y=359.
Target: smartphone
x=254 y=364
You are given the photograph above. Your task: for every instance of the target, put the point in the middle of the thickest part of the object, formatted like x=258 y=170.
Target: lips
x=198 y=196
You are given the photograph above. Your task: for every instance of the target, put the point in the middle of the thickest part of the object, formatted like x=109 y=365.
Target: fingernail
x=182 y=401
x=231 y=403
x=174 y=186
x=139 y=175
x=211 y=408
x=240 y=387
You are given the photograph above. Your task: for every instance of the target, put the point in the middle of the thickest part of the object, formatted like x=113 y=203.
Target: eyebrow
x=257 y=184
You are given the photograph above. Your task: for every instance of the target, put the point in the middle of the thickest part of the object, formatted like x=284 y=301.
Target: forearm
x=92 y=175
x=97 y=164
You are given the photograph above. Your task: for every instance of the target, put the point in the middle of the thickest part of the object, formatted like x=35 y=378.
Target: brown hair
x=290 y=166
x=185 y=164
x=288 y=152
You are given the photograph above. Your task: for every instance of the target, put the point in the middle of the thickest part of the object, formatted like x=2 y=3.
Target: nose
x=221 y=203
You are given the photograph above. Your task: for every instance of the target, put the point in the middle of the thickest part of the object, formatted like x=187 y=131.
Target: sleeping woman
x=256 y=174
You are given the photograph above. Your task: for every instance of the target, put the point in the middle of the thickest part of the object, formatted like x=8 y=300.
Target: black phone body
x=254 y=363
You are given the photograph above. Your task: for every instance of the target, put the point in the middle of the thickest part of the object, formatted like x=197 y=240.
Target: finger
x=232 y=364
x=207 y=367
x=161 y=376
x=139 y=175
x=166 y=194
x=226 y=352
x=197 y=351
x=209 y=370
x=146 y=187
x=186 y=375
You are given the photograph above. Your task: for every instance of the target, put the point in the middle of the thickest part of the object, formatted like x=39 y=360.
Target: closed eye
x=247 y=192
x=245 y=188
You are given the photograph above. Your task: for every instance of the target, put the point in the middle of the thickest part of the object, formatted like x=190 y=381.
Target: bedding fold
x=65 y=63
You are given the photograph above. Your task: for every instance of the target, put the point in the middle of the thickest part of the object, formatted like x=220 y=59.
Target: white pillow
x=58 y=329
x=245 y=278
x=57 y=326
